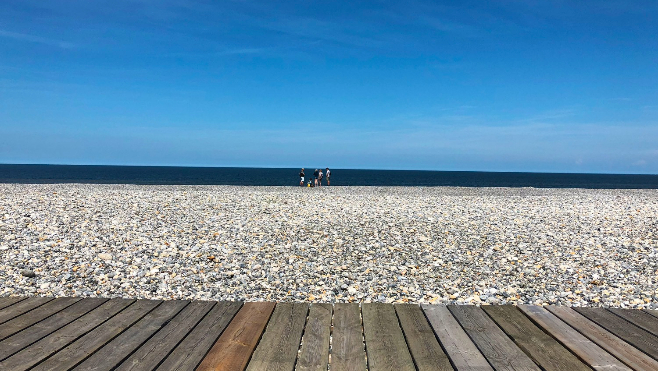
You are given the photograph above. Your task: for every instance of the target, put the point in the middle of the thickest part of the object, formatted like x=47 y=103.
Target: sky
x=532 y=85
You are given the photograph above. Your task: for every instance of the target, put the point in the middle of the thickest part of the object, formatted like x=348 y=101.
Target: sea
x=94 y=174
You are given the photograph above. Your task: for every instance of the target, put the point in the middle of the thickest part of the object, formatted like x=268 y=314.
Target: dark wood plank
x=114 y=352
x=52 y=343
x=386 y=347
x=611 y=343
x=584 y=348
x=314 y=355
x=653 y=312
x=156 y=349
x=85 y=346
x=36 y=315
x=42 y=329
x=461 y=350
x=277 y=350
x=625 y=330
x=233 y=349
x=424 y=347
x=543 y=349
x=22 y=307
x=347 y=351
x=191 y=351
x=7 y=301
x=500 y=351
x=638 y=318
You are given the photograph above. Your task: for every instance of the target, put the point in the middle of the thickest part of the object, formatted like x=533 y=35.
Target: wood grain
x=459 y=347
x=191 y=351
x=611 y=343
x=314 y=355
x=59 y=339
x=157 y=348
x=543 y=349
x=499 y=349
x=22 y=307
x=584 y=348
x=423 y=345
x=347 y=350
x=639 y=318
x=385 y=344
x=234 y=348
x=36 y=315
x=7 y=301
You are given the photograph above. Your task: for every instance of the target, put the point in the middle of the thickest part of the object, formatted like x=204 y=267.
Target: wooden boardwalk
x=122 y=334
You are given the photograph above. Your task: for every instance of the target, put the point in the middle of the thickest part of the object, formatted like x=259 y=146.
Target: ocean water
x=289 y=177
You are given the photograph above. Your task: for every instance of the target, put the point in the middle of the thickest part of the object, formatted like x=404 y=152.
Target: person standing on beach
x=315 y=177
x=328 y=172
x=301 y=175
x=320 y=178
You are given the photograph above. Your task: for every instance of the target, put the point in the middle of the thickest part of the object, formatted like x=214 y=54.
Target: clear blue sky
x=512 y=86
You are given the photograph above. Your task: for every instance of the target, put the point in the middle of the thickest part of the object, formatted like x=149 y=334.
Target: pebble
x=450 y=245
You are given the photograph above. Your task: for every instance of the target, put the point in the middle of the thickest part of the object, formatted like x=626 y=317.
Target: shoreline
x=464 y=245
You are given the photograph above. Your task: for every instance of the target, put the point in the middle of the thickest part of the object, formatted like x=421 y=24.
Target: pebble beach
x=451 y=245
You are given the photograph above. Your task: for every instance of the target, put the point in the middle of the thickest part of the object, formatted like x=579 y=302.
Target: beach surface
x=332 y=244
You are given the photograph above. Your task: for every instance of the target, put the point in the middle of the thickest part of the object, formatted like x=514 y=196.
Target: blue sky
x=555 y=86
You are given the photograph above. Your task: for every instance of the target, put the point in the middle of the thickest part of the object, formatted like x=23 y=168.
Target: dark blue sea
x=289 y=177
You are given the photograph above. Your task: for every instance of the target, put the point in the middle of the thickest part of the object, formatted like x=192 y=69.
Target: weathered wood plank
x=36 y=315
x=7 y=301
x=115 y=351
x=499 y=350
x=278 y=347
x=653 y=312
x=52 y=343
x=85 y=346
x=611 y=343
x=347 y=351
x=156 y=349
x=22 y=307
x=461 y=350
x=314 y=355
x=385 y=344
x=41 y=329
x=584 y=348
x=233 y=349
x=191 y=351
x=627 y=331
x=638 y=318
x=543 y=349
x=425 y=349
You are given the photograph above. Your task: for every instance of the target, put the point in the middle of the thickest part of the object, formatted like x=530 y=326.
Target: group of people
x=317 y=178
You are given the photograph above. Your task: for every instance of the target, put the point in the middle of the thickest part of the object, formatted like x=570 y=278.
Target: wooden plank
x=191 y=351
x=543 y=349
x=425 y=349
x=233 y=349
x=42 y=329
x=7 y=301
x=156 y=349
x=314 y=355
x=584 y=348
x=500 y=351
x=347 y=350
x=611 y=343
x=627 y=331
x=638 y=318
x=36 y=315
x=386 y=347
x=22 y=307
x=461 y=350
x=277 y=350
x=653 y=312
x=85 y=346
x=52 y=343
x=114 y=352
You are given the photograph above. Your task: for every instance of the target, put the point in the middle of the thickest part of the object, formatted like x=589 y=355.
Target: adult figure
x=315 y=177
x=320 y=178
x=328 y=174
x=301 y=175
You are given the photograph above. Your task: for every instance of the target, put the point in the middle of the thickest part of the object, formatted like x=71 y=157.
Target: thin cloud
x=36 y=39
